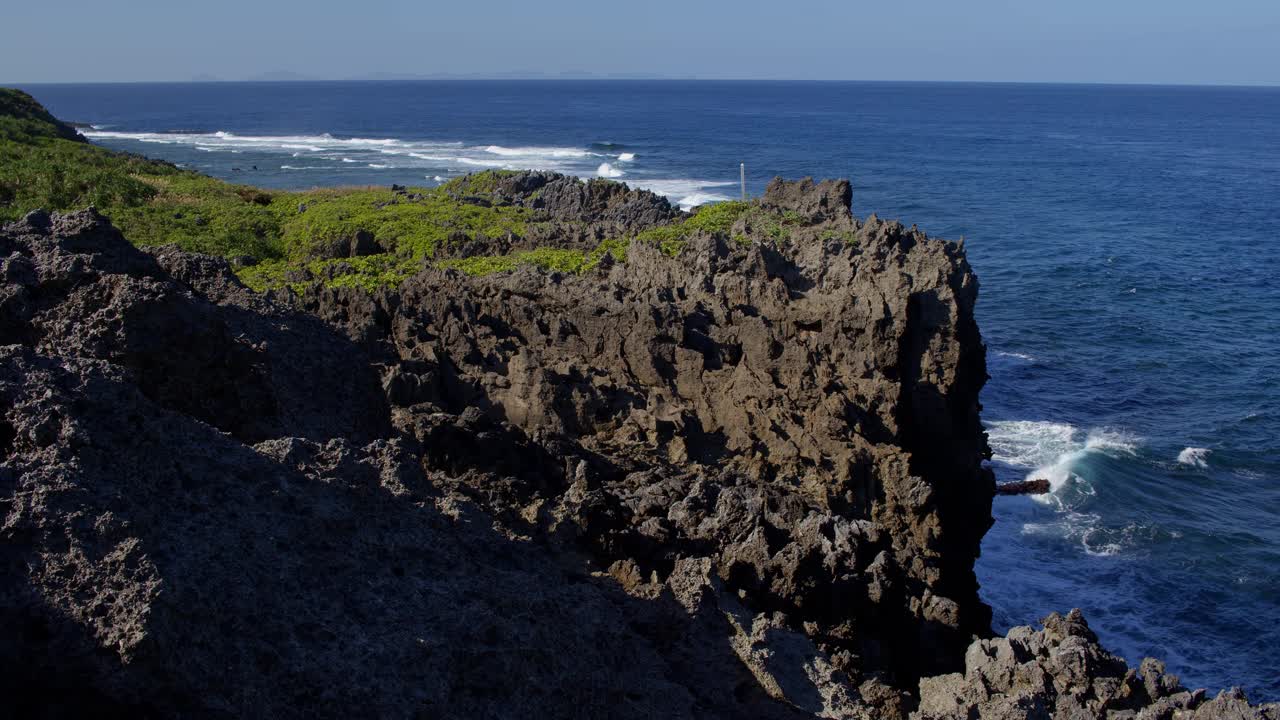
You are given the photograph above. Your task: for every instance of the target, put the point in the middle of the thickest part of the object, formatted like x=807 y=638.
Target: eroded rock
x=745 y=481
x=1061 y=671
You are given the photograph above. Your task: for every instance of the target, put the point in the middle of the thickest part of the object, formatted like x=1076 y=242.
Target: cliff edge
x=628 y=463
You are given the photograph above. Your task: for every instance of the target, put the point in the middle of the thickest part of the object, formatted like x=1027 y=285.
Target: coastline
x=821 y=234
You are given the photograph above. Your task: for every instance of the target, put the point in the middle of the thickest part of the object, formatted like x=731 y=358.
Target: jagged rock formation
x=207 y=513
x=742 y=482
x=803 y=413
x=1062 y=672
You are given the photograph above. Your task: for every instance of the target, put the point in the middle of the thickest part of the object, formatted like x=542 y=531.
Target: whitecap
x=1194 y=457
x=1111 y=441
x=627 y=157
x=608 y=171
x=693 y=200
x=1030 y=443
x=376 y=166
x=1016 y=355
x=1055 y=451
x=438 y=179
x=552 y=152
x=485 y=163
x=686 y=193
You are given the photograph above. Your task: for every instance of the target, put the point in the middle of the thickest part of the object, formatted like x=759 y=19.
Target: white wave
x=680 y=186
x=1194 y=456
x=438 y=179
x=1019 y=356
x=376 y=166
x=434 y=154
x=1030 y=443
x=1111 y=442
x=228 y=141
x=475 y=162
x=693 y=200
x=1054 y=451
x=552 y=152
x=686 y=193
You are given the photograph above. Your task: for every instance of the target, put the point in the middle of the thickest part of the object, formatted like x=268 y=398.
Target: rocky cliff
x=739 y=478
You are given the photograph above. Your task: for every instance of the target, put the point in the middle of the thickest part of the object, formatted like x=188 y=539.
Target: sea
x=1127 y=241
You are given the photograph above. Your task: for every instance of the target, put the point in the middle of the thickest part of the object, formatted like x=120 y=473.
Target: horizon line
x=656 y=78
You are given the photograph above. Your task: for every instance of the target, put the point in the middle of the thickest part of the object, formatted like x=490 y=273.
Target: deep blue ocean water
x=1127 y=240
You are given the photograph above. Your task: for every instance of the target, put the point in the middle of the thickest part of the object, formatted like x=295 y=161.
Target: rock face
x=206 y=512
x=745 y=481
x=1062 y=672
x=804 y=414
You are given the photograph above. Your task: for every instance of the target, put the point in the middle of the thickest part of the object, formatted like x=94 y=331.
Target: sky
x=1107 y=41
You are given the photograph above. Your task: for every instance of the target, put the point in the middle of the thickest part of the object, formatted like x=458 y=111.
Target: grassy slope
x=45 y=164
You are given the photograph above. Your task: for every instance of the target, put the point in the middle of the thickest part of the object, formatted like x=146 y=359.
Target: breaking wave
x=1068 y=458
x=435 y=159
x=1195 y=457
x=1056 y=452
x=686 y=193
x=445 y=154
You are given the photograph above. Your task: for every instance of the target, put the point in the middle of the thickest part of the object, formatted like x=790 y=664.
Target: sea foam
x=1055 y=452
x=1059 y=452
x=686 y=193
x=1194 y=456
x=437 y=158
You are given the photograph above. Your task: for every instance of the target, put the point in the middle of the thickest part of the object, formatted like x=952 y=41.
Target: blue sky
x=1156 y=41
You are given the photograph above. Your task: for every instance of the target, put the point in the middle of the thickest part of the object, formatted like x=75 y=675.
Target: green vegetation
x=847 y=236
x=369 y=272
x=482 y=183
x=22 y=118
x=719 y=217
x=574 y=262
x=44 y=164
x=411 y=228
x=670 y=239
x=723 y=217
x=282 y=235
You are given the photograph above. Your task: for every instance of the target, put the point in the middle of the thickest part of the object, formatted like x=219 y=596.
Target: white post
x=742 y=176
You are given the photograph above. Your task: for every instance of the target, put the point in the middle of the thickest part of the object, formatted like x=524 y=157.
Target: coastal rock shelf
x=731 y=467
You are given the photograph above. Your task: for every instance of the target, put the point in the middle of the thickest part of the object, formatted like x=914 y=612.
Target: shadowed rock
x=802 y=412
x=745 y=481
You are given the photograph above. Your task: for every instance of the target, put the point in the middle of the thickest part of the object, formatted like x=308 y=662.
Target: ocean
x=1127 y=240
